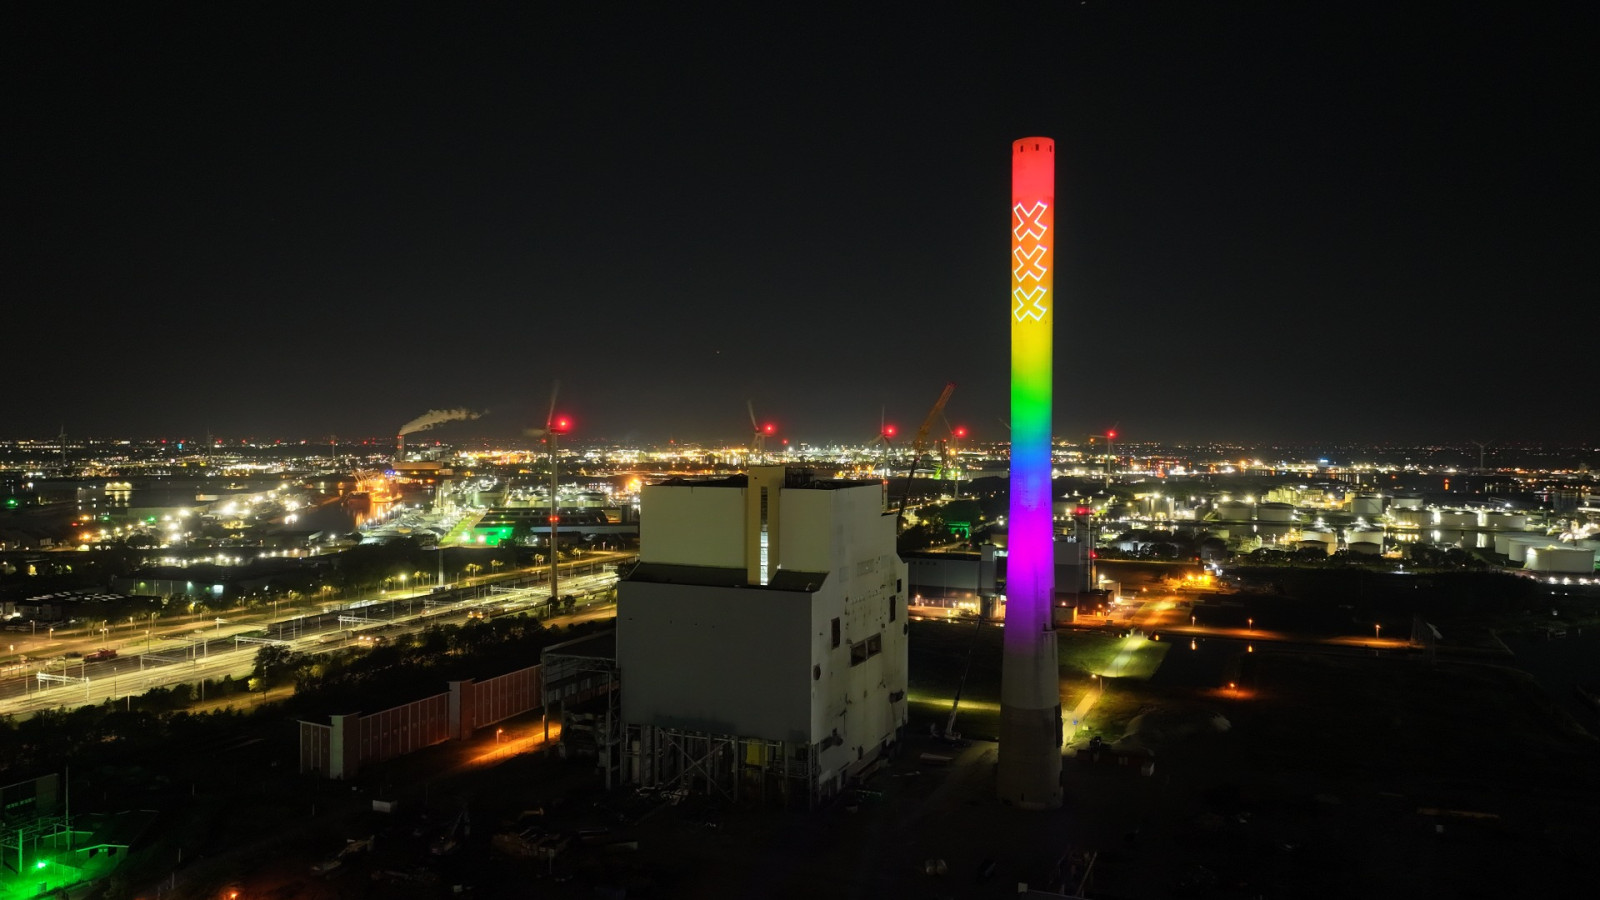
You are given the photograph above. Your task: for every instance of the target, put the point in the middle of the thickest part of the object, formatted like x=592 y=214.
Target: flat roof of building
x=725 y=576
x=793 y=478
x=593 y=646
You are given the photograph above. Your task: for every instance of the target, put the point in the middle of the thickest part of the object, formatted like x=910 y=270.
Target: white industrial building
x=761 y=641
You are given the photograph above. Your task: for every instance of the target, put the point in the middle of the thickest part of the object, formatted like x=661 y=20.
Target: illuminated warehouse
x=761 y=641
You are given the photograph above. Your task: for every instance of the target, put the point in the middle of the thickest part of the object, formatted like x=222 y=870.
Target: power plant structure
x=1030 y=693
x=762 y=639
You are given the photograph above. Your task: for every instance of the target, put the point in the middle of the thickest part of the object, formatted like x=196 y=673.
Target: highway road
x=228 y=645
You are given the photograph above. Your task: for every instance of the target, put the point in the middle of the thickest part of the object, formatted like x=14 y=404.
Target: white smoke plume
x=437 y=417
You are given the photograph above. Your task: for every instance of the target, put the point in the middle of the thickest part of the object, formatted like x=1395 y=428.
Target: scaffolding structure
x=578 y=676
x=734 y=768
x=582 y=690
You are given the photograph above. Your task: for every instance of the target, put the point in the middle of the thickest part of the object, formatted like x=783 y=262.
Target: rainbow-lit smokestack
x=1030 y=694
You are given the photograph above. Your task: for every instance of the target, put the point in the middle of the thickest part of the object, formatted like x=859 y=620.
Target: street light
x=1377 y=630
x=1250 y=624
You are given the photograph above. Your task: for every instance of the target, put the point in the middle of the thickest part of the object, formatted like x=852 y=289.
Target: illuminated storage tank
x=1502 y=521
x=1235 y=511
x=1504 y=540
x=1275 y=512
x=1364 y=540
x=1518 y=545
x=1367 y=504
x=1029 y=772
x=1556 y=559
x=1410 y=518
x=1406 y=503
x=1321 y=539
x=1455 y=518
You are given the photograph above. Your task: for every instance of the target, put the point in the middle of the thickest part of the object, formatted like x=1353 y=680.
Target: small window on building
x=867 y=649
x=899 y=585
x=893 y=602
x=836 y=632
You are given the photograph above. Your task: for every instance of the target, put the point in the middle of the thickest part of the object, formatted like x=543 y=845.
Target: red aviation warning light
x=769 y=428
x=1112 y=434
x=890 y=431
x=561 y=425
x=960 y=432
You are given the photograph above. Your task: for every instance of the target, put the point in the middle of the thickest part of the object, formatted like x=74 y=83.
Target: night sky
x=1279 y=221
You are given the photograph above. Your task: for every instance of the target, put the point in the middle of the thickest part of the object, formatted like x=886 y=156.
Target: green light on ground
x=40 y=864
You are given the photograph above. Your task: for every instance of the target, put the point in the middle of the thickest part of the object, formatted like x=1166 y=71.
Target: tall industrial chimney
x=1030 y=692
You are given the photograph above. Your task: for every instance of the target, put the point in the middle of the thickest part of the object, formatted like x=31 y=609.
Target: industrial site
x=657 y=451
x=702 y=648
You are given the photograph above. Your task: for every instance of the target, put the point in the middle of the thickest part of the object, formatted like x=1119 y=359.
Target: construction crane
x=919 y=444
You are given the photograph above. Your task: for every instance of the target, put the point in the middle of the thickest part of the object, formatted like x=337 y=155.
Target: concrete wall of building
x=936 y=576
x=692 y=525
x=845 y=532
x=731 y=661
x=815 y=523
x=857 y=699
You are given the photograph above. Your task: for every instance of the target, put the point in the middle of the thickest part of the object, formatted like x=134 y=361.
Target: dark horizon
x=1290 y=225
